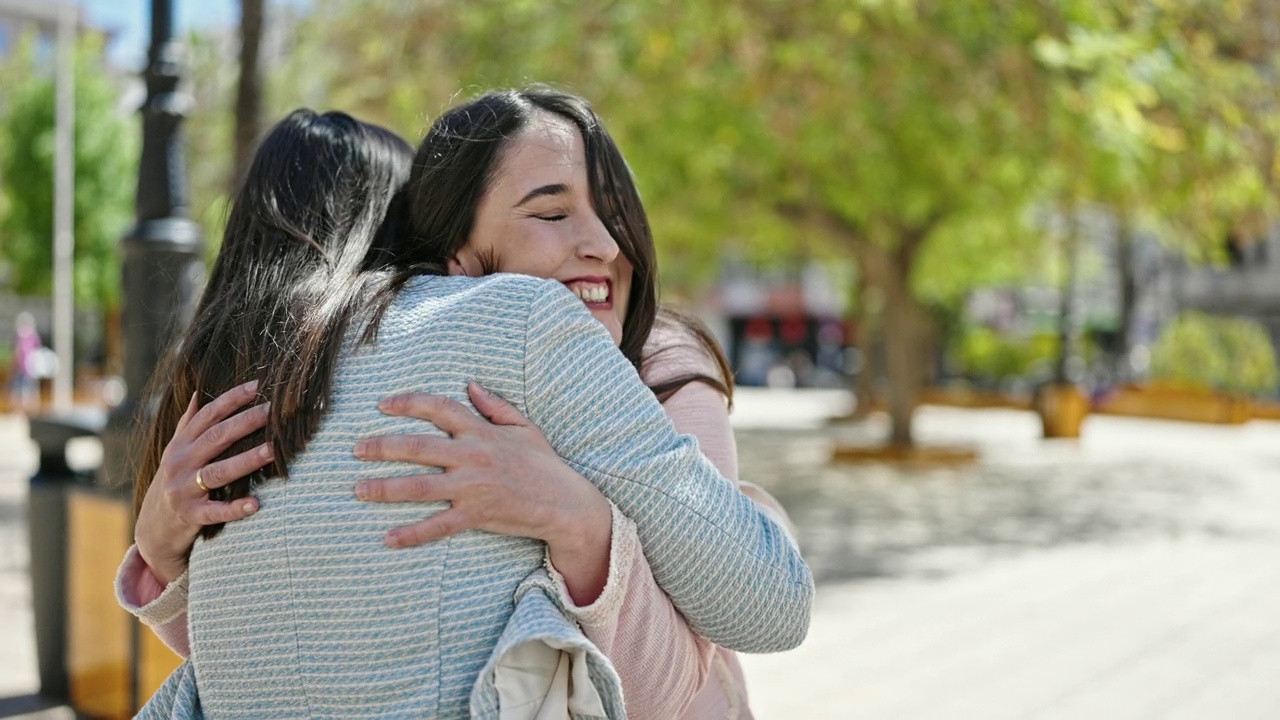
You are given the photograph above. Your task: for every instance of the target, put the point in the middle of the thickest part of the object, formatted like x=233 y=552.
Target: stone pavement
x=17 y=643
x=1135 y=574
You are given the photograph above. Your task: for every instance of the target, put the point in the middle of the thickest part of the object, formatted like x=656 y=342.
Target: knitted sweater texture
x=300 y=611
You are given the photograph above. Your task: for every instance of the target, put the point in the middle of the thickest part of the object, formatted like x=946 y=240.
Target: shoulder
x=510 y=294
x=674 y=350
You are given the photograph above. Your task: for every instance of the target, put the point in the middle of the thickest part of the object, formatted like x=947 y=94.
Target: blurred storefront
x=784 y=326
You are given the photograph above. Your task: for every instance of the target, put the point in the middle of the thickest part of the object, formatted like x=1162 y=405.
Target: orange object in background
x=1063 y=409
x=99 y=632
x=106 y=646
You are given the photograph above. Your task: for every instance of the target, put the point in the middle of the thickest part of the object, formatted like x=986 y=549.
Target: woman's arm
x=160 y=606
x=730 y=570
x=151 y=582
x=661 y=662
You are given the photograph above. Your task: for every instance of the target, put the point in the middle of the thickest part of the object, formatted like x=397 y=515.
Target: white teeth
x=591 y=293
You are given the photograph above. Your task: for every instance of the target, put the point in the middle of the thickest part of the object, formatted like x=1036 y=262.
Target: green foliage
x=926 y=141
x=105 y=168
x=983 y=353
x=1205 y=351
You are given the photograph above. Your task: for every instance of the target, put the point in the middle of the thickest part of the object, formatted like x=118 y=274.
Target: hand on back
x=499 y=475
x=176 y=506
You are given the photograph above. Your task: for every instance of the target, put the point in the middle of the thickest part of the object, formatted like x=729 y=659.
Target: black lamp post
x=163 y=253
x=163 y=275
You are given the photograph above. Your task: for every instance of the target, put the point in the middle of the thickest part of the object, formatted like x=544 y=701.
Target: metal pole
x=164 y=252
x=64 y=210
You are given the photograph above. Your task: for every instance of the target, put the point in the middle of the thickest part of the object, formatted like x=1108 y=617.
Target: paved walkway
x=17 y=643
x=1135 y=574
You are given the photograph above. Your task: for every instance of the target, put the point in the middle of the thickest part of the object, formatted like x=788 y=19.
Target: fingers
x=222 y=407
x=192 y=407
x=212 y=442
x=493 y=407
x=441 y=525
x=213 y=512
x=436 y=487
x=450 y=416
x=428 y=450
x=225 y=472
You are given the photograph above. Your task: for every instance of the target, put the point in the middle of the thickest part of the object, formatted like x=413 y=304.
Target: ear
x=465 y=263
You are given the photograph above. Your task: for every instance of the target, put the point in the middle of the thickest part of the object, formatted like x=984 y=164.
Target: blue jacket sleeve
x=728 y=567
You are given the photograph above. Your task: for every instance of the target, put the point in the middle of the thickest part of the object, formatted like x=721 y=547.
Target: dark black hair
x=285 y=287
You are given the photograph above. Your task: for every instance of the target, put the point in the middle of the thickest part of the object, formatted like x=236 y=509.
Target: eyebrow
x=556 y=189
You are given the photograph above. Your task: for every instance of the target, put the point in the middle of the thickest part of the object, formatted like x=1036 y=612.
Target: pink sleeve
x=663 y=664
x=161 y=607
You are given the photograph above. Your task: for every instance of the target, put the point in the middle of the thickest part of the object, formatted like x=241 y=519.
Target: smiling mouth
x=596 y=294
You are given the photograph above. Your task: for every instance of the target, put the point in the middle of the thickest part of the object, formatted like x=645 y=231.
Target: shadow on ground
x=872 y=521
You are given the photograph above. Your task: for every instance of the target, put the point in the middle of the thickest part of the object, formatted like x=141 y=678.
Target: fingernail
x=362 y=490
x=250 y=508
x=482 y=389
x=265 y=452
x=360 y=449
x=251 y=385
x=391 y=539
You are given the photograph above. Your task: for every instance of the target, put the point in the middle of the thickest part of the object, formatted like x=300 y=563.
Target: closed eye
x=551 y=218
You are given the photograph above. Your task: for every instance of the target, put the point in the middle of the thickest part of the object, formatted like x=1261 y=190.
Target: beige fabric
x=536 y=681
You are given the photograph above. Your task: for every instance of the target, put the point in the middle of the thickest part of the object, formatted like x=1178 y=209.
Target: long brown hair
x=690 y=330
x=285 y=287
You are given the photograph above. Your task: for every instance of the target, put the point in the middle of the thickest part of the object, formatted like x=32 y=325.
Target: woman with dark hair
x=308 y=584
x=284 y=288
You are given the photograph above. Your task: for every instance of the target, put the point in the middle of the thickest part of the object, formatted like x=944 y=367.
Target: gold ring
x=200 y=482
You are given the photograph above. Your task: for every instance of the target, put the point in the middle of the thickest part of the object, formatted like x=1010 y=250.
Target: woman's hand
x=176 y=507
x=500 y=476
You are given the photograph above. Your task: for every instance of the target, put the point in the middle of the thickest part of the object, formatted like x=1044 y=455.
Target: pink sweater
x=667 y=670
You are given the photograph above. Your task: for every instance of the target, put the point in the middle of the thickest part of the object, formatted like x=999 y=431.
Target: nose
x=596 y=243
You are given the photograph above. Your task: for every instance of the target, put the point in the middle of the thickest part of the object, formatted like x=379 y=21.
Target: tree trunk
x=1128 y=298
x=867 y=335
x=1069 y=320
x=900 y=318
x=901 y=327
x=902 y=355
x=249 y=89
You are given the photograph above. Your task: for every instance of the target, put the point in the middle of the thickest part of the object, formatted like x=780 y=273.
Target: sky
x=131 y=19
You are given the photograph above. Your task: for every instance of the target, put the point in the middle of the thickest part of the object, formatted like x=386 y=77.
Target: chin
x=610 y=323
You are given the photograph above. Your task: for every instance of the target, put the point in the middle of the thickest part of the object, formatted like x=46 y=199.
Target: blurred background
x=999 y=281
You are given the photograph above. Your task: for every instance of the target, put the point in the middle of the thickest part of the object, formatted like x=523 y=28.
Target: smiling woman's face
x=536 y=218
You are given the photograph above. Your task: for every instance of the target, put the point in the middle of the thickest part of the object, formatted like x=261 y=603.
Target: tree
x=921 y=139
x=896 y=131
x=105 y=160
x=249 y=88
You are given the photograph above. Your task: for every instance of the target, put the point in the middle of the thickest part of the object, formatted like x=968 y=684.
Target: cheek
x=622 y=298
x=539 y=252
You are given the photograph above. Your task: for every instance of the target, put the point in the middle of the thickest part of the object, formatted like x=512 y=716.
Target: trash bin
x=47 y=525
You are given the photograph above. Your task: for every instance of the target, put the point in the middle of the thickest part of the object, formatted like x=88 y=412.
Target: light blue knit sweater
x=300 y=611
